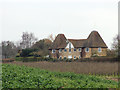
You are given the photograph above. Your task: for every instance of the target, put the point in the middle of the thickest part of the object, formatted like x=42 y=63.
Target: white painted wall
x=68 y=45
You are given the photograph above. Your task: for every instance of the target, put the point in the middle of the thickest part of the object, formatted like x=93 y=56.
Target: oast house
x=63 y=48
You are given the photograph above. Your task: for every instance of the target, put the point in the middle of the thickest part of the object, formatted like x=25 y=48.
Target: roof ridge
x=77 y=39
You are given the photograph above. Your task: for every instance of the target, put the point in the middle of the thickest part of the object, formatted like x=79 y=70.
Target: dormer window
x=99 y=50
x=69 y=45
x=79 y=49
x=60 y=50
x=53 y=51
x=86 y=49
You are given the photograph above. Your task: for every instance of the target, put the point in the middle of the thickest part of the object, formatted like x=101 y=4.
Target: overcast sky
x=74 y=18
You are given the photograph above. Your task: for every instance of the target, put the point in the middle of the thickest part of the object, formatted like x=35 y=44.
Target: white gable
x=69 y=44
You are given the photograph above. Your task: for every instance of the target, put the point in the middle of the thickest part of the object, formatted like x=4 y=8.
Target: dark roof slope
x=94 y=40
x=59 y=42
x=77 y=42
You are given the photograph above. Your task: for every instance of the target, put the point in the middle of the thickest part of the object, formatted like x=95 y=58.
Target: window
x=65 y=50
x=74 y=49
x=60 y=50
x=87 y=50
x=99 y=50
x=69 y=50
x=79 y=49
x=60 y=57
x=53 y=51
x=74 y=57
x=69 y=45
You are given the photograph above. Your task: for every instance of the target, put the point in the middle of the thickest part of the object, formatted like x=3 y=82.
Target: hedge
x=97 y=59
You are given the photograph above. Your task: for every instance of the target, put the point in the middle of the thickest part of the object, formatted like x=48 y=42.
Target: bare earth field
x=76 y=67
x=106 y=69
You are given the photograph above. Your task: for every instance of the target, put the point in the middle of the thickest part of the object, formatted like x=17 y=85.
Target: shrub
x=28 y=59
x=66 y=60
x=18 y=58
x=70 y=60
x=95 y=55
x=27 y=52
x=18 y=55
x=54 y=60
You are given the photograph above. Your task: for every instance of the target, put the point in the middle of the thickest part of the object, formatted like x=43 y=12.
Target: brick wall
x=72 y=53
x=102 y=53
x=77 y=53
x=87 y=54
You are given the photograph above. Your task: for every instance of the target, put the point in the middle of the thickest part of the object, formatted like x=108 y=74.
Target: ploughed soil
x=95 y=68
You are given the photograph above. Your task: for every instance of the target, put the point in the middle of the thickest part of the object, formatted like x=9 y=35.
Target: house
x=78 y=48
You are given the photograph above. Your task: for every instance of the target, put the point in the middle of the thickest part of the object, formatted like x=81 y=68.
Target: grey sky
x=74 y=18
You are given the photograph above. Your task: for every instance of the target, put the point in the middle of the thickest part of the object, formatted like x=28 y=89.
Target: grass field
x=0 y=76
x=14 y=76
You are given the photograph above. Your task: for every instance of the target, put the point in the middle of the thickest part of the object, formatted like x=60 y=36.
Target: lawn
x=15 y=76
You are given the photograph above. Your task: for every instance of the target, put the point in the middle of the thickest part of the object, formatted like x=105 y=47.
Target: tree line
x=28 y=44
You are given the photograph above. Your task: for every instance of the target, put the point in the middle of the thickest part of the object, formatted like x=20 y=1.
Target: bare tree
x=18 y=45
x=8 y=49
x=0 y=51
x=51 y=37
x=116 y=45
x=28 y=39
